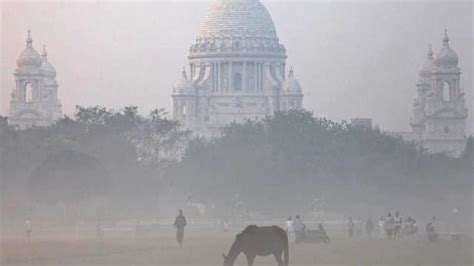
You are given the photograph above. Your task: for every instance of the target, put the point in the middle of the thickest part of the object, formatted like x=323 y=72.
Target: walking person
x=397 y=228
x=290 y=229
x=299 y=229
x=179 y=224
x=431 y=231
x=350 y=227
x=369 y=227
x=28 y=228
x=98 y=229
x=381 y=227
x=389 y=224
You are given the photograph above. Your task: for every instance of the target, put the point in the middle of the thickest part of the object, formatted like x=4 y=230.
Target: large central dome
x=237 y=18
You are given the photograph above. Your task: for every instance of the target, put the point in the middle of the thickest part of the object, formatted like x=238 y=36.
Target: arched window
x=237 y=82
x=184 y=111
x=446 y=92
x=29 y=93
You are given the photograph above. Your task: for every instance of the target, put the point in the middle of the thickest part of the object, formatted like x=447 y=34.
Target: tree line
x=281 y=163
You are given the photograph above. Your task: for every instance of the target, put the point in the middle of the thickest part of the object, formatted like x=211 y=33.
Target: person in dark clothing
x=431 y=231
x=350 y=227
x=369 y=227
x=179 y=224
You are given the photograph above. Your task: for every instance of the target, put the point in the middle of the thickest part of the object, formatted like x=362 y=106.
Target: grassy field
x=206 y=248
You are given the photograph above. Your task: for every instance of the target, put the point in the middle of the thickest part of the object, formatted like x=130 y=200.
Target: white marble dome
x=237 y=18
x=29 y=56
x=427 y=67
x=46 y=67
x=446 y=56
x=291 y=84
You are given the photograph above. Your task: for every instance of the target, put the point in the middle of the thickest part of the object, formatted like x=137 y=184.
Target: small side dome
x=446 y=56
x=291 y=84
x=427 y=67
x=29 y=56
x=46 y=67
x=184 y=85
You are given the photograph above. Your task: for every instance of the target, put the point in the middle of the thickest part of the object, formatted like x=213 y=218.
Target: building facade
x=439 y=112
x=34 y=100
x=237 y=70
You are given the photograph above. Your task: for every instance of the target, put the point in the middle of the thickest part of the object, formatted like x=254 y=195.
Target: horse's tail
x=286 y=255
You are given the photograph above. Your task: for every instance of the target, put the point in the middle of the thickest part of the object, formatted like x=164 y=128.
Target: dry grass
x=207 y=248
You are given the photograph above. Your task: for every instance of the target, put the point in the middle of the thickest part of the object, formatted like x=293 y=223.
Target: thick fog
x=353 y=59
x=105 y=183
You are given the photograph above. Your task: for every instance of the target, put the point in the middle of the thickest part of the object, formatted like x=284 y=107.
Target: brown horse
x=259 y=241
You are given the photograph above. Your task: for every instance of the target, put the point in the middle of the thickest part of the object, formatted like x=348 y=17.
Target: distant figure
x=369 y=227
x=179 y=224
x=137 y=227
x=225 y=225
x=98 y=229
x=28 y=228
x=299 y=228
x=410 y=227
x=259 y=241
x=381 y=227
x=359 y=227
x=431 y=231
x=290 y=229
x=397 y=228
x=389 y=224
x=350 y=227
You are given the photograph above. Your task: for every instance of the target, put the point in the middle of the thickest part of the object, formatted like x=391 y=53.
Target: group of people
x=355 y=227
x=391 y=226
x=295 y=229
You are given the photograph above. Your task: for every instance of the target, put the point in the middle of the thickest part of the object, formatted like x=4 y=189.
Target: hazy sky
x=353 y=59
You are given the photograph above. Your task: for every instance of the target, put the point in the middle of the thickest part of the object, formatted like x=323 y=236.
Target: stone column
x=219 y=77
x=229 y=86
x=244 y=76
x=257 y=77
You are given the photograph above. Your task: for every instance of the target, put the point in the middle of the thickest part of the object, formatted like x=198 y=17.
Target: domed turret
x=29 y=56
x=184 y=85
x=291 y=84
x=446 y=56
x=427 y=67
x=46 y=66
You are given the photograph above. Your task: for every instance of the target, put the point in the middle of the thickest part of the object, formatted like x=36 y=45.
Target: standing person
x=98 y=229
x=381 y=227
x=299 y=229
x=389 y=223
x=359 y=227
x=350 y=227
x=431 y=231
x=397 y=226
x=369 y=227
x=290 y=229
x=28 y=228
x=179 y=224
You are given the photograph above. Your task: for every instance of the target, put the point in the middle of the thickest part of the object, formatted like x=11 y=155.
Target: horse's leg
x=250 y=260
x=277 y=256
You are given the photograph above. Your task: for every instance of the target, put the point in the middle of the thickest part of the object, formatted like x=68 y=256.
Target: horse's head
x=234 y=250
